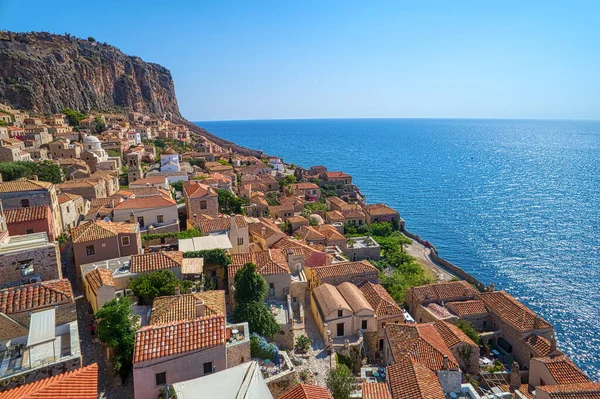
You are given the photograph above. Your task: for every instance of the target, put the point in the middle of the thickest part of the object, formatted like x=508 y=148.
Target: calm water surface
x=513 y=202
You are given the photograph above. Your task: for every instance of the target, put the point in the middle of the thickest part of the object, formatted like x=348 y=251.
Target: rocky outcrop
x=46 y=73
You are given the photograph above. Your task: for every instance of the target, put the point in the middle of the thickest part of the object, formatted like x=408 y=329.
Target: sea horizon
x=401 y=118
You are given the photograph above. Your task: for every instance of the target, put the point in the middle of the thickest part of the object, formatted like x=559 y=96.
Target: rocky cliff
x=45 y=73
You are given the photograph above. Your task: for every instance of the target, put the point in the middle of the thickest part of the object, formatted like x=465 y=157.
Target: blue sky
x=345 y=59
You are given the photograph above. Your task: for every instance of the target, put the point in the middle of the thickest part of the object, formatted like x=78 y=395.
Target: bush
x=259 y=317
x=260 y=348
x=340 y=382
x=215 y=256
x=117 y=325
x=159 y=283
x=381 y=229
x=470 y=331
x=229 y=203
x=91 y=39
x=302 y=344
x=73 y=116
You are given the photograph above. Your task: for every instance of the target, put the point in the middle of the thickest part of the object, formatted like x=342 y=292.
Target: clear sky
x=350 y=59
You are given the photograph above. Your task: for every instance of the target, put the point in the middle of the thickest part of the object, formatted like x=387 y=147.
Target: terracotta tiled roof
x=380 y=300
x=344 y=269
x=451 y=334
x=156 y=261
x=193 y=189
x=298 y=219
x=523 y=389
x=220 y=224
x=330 y=232
x=156 y=341
x=65 y=197
x=329 y=299
x=586 y=390
x=332 y=175
x=379 y=390
x=297 y=248
x=305 y=186
x=309 y=233
x=21 y=215
x=467 y=308
x=353 y=213
x=271 y=261
x=420 y=342
x=335 y=216
x=77 y=384
x=37 y=295
x=270 y=229
x=149 y=180
x=381 y=210
x=24 y=185
x=513 y=311
x=99 y=230
x=539 y=344
x=563 y=370
x=304 y=391
x=155 y=201
x=168 y=309
x=411 y=380
x=98 y=278
x=354 y=297
x=443 y=291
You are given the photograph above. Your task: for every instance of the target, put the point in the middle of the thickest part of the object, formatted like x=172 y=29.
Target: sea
x=514 y=202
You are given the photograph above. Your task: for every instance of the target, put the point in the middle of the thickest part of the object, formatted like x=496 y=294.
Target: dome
x=317 y=218
x=91 y=139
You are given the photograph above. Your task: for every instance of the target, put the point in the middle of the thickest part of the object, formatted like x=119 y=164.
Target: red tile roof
x=220 y=224
x=344 y=269
x=98 y=278
x=381 y=210
x=77 y=384
x=309 y=233
x=539 y=344
x=335 y=216
x=420 y=342
x=563 y=370
x=304 y=391
x=443 y=291
x=155 y=201
x=334 y=175
x=451 y=334
x=37 y=295
x=270 y=229
x=193 y=189
x=379 y=390
x=93 y=231
x=156 y=261
x=410 y=380
x=271 y=261
x=156 y=341
x=168 y=309
x=380 y=300
x=23 y=215
x=467 y=308
x=513 y=312
x=305 y=186
x=24 y=185
x=586 y=390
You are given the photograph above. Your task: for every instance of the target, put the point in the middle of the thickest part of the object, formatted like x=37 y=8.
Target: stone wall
x=284 y=338
x=372 y=345
x=46 y=264
x=284 y=381
x=238 y=354
x=65 y=313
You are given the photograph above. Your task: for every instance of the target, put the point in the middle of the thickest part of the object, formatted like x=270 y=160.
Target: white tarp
x=42 y=327
x=207 y=242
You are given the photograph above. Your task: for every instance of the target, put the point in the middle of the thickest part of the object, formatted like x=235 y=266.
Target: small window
x=125 y=241
x=26 y=267
x=202 y=204
x=240 y=241
x=160 y=379
x=89 y=250
x=68 y=209
x=484 y=324
x=29 y=231
x=208 y=368
x=25 y=203
x=160 y=219
x=340 y=313
x=364 y=324
x=271 y=285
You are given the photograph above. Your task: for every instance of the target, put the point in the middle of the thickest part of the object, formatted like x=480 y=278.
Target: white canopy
x=207 y=242
x=42 y=327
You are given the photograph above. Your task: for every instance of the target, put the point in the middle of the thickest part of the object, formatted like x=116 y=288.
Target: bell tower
x=134 y=166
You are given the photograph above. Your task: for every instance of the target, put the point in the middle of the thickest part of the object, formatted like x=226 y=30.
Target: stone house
x=340 y=312
x=465 y=351
x=74 y=168
x=87 y=189
x=300 y=255
x=99 y=287
x=581 y=390
x=28 y=258
x=382 y=212
x=473 y=311
x=17 y=303
x=408 y=379
x=337 y=273
x=332 y=236
x=309 y=191
x=283 y=212
x=358 y=248
x=9 y=153
x=298 y=221
x=63 y=148
x=310 y=235
x=153 y=214
x=271 y=264
x=35 y=219
x=72 y=209
x=152 y=181
x=417 y=298
x=27 y=193
x=200 y=199
x=178 y=351
x=555 y=370
x=337 y=177
x=305 y=391
x=265 y=233
x=98 y=241
x=235 y=227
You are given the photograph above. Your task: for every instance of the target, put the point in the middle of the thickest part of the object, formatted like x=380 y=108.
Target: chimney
x=445 y=363
x=264 y=231
x=177 y=291
x=200 y=309
x=537 y=322
x=515 y=377
x=491 y=289
x=553 y=348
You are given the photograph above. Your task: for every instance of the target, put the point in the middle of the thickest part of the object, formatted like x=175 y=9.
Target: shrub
x=215 y=256
x=381 y=229
x=260 y=348
x=302 y=344
x=340 y=382
x=91 y=39
x=159 y=283
x=470 y=331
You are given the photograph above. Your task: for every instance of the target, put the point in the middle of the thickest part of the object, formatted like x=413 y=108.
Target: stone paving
x=316 y=363
x=421 y=253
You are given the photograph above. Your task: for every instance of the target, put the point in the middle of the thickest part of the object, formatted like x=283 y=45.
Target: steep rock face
x=45 y=73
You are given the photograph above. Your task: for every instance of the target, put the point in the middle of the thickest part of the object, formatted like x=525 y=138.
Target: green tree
x=249 y=285
x=91 y=39
x=260 y=319
x=470 y=331
x=159 y=283
x=340 y=382
x=3 y=123
x=272 y=199
x=73 y=116
x=117 y=325
x=381 y=229
x=287 y=180
x=229 y=203
x=99 y=125
x=44 y=170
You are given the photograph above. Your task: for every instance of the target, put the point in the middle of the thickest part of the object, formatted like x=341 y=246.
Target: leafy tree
x=224 y=162
x=99 y=125
x=260 y=319
x=117 y=325
x=91 y=39
x=313 y=221
x=272 y=199
x=470 y=331
x=287 y=180
x=158 y=283
x=340 y=382
x=178 y=186
x=287 y=227
x=44 y=170
x=249 y=285
x=229 y=203
x=404 y=276
x=381 y=229
x=3 y=123
x=215 y=256
x=73 y=116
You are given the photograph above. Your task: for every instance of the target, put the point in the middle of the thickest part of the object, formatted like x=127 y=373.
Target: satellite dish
x=106 y=219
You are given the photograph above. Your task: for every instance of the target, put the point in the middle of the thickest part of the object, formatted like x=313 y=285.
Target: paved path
x=421 y=253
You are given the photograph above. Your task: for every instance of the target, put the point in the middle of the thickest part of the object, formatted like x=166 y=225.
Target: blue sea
x=515 y=202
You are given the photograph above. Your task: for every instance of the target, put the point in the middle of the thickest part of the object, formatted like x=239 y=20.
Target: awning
x=42 y=327
x=220 y=241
